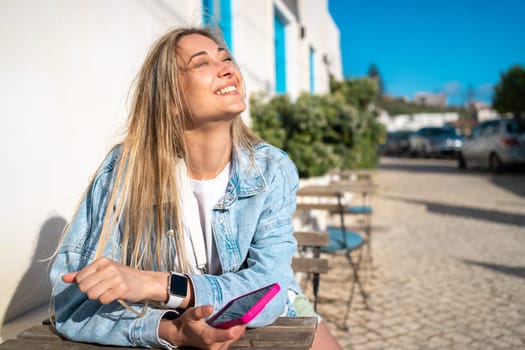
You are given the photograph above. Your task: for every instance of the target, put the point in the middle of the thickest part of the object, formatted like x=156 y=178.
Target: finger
x=109 y=296
x=70 y=277
x=229 y=335
x=108 y=274
x=101 y=279
x=238 y=331
x=200 y=312
x=101 y=291
x=96 y=266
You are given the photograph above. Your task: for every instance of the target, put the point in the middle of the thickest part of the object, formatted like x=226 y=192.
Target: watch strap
x=174 y=301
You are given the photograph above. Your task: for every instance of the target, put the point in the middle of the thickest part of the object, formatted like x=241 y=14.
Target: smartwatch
x=177 y=290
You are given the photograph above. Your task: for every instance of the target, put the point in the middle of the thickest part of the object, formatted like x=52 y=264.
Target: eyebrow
x=201 y=53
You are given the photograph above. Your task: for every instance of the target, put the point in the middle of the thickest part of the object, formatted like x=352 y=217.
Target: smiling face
x=212 y=83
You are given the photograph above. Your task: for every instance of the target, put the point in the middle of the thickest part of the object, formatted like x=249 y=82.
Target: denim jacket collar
x=245 y=181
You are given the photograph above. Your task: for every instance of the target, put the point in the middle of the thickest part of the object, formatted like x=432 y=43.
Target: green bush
x=322 y=132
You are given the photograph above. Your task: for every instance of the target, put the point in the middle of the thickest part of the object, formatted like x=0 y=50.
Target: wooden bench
x=285 y=333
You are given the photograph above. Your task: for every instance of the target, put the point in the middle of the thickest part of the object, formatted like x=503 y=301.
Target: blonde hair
x=144 y=198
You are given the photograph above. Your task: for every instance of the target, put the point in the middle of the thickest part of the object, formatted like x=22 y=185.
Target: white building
x=67 y=66
x=429 y=99
x=415 y=121
x=483 y=111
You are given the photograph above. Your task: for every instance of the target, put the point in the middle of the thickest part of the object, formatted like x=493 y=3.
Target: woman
x=190 y=211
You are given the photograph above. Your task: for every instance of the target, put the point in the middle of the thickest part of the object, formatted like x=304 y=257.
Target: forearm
x=157 y=288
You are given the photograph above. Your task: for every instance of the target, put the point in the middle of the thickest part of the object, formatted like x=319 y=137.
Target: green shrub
x=337 y=130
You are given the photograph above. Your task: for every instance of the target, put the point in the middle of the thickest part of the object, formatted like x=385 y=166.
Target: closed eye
x=200 y=63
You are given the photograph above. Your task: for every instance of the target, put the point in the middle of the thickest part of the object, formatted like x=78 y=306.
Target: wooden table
x=334 y=187
x=336 y=190
x=285 y=333
x=358 y=174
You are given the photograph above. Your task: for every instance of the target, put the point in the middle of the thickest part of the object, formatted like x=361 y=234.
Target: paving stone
x=498 y=343
x=376 y=344
x=358 y=339
x=357 y=330
x=438 y=342
x=520 y=329
x=458 y=338
x=386 y=333
x=512 y=340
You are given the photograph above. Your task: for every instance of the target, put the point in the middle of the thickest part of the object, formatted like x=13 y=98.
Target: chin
x=238 y=109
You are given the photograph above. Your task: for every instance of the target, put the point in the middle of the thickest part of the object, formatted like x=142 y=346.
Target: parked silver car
x=435 y=141
x=494 y=143
x=396 y=143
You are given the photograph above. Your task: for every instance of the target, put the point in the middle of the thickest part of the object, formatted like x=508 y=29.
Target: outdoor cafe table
x=337 y=190
x=309 y=198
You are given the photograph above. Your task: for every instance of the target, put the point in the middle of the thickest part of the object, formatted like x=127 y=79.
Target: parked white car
x=495 y=144
x=435 y=142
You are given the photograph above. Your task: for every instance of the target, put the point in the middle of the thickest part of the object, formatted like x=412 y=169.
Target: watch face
x=178 y=285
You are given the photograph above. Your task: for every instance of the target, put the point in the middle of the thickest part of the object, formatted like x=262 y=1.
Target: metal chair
x=312 y=265
x=347 y=242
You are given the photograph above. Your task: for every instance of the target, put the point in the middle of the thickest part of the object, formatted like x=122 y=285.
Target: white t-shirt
x=208 y=193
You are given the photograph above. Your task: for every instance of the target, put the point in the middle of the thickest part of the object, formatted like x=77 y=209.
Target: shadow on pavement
x=512 y=179
x=469 y=212
x=510 y=183
x=424 y=167
x=517 y=271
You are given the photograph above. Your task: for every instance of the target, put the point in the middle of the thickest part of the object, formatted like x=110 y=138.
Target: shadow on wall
x=34 y=288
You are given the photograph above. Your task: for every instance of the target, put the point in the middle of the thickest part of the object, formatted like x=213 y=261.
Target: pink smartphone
x=243 y=309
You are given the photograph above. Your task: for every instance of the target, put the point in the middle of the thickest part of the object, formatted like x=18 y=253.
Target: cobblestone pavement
x=448 y=267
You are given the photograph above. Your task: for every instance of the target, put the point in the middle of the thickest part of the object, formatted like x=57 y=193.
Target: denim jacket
x=253 y=232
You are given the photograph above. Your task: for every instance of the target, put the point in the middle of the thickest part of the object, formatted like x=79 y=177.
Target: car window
x=476 y=132
x=436 y=132
x=490 y=129
x=516 y=127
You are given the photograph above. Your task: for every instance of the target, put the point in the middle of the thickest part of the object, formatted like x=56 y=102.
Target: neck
x=209 y=153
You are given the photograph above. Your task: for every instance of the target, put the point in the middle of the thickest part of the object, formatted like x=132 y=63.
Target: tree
x=470 y=95
x=509 y=93
x=373 y=72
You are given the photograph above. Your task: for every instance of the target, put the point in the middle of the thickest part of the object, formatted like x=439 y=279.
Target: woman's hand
x=106 y=280
x=191 y=329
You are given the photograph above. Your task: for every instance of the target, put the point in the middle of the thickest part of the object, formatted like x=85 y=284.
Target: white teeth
x=226 y=90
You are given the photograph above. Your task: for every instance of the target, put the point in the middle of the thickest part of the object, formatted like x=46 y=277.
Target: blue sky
x=433 y=46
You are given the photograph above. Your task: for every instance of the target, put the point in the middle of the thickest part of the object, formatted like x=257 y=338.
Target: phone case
x=243 y=309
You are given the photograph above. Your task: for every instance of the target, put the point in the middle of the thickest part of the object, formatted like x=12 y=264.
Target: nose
x=225 y=69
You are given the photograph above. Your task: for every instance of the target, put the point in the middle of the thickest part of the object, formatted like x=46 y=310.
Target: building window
x=312 y=70
x=218 y=12
x=280 y=53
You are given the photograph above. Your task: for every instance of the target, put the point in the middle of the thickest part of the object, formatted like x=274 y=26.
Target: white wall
x=66 y=68
x=253 y=43
x=255 y=52
x=323 y=35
